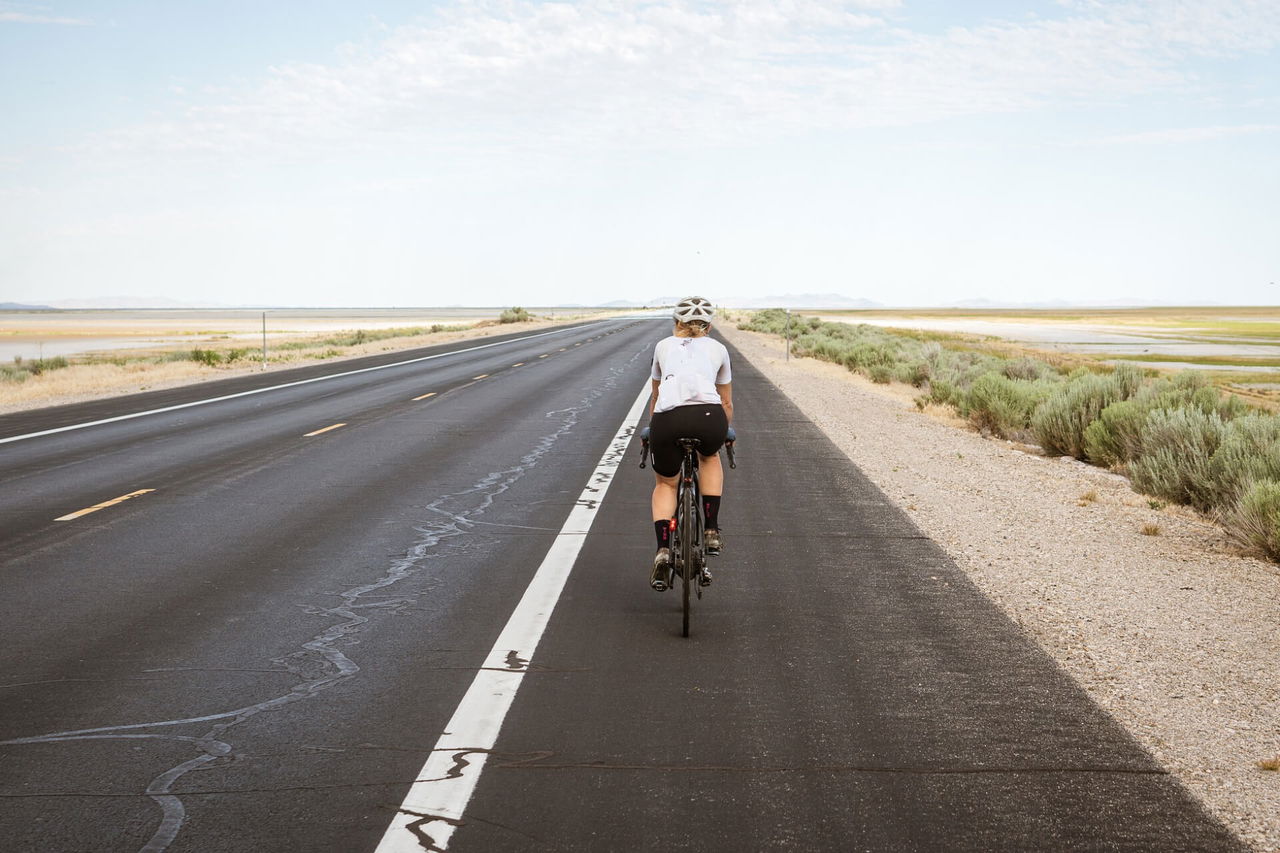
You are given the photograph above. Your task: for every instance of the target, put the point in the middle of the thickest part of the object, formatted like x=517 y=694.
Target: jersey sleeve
x=724 y=375
x=655 y=369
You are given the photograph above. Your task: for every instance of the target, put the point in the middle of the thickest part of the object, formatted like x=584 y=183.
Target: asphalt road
x=264 y=646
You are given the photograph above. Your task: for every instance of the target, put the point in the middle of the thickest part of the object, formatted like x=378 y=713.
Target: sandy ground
x=1177 y=636
x=79 y=383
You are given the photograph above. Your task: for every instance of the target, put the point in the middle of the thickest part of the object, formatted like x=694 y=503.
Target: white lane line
x=276 y=387
x=442 y=789
x=424 y=396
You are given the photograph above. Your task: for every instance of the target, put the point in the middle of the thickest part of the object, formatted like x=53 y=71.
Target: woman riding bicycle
x=692 y=398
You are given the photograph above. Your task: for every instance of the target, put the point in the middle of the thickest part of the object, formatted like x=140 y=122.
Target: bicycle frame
x=688 y=527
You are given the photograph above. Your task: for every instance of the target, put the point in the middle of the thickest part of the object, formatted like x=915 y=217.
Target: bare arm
x=653 y=397
x=726 y=399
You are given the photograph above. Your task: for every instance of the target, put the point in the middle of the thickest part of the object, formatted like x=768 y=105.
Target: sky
x=497 y=152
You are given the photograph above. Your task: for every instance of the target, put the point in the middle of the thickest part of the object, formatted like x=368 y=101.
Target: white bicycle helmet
x=693 y=309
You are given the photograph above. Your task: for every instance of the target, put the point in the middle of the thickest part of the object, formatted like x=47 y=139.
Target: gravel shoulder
x=1176 y=635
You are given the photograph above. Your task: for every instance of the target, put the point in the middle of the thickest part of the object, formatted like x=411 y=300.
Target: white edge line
x=440 y=792
x=278 y=387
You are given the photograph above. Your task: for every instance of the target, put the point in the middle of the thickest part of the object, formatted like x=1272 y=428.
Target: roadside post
x=264 y=340
x=788 y=334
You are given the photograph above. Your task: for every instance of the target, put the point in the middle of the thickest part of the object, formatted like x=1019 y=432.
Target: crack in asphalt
x=320 y=664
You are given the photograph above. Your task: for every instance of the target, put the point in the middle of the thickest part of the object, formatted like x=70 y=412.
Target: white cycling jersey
x=688 y=371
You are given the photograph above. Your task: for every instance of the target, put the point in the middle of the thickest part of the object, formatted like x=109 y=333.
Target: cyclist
x=692 y=398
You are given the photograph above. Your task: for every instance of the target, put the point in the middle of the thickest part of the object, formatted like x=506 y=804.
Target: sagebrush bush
x=1060 y=422
x=1249 y=451
x=209 y=357
x=1026 y=368
x=1116 y=436
x=23 y=369
x=514 y=315
x=1178 y=445
x=1002 y=406
x=1255 y=521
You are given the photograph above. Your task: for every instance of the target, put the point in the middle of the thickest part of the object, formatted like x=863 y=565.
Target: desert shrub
x=1060 y=422
x=943 y=393
x=1255 y=521
x=1026 y=368
x=236 y=354
x=1178 y=445
x=44 y=365
x=1250 y=450
x=23 y=369
x=514 y=315
x=1002 y=406
x=208 y=357
x=1116 y=436
x=880 y=373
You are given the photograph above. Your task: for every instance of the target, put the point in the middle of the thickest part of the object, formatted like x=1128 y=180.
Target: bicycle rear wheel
x=688 y=548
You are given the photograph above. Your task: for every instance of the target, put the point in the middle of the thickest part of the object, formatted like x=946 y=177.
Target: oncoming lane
x=279 y=637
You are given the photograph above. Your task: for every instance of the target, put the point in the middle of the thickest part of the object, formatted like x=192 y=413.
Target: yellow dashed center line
x=545 y=355
x=578 y=344
x=425 y=396
x=326 y=429
x=518 y=364
x=104 y=505
x=562 y=349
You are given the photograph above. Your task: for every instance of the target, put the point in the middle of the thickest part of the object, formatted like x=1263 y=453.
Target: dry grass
x=1270 y=764
x=1149 y=529
x=1088 y=497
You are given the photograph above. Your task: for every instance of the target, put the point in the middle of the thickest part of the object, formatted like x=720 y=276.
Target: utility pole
x=264 y=340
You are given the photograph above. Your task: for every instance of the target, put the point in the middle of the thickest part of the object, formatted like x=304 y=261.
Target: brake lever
x=644 y=451
x=728 y=449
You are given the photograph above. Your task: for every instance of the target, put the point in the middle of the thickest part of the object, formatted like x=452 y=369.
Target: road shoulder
x=1173 y=634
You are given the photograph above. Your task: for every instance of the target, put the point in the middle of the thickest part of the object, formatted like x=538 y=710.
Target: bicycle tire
x=688 y=507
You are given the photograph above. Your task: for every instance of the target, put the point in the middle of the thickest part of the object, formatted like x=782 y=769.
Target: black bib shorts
x=706 y=422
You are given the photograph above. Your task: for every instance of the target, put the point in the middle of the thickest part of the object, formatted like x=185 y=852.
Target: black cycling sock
x=711 y=509
x=663 y=529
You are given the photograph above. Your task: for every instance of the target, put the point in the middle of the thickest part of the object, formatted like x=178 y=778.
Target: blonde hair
x=693 y=329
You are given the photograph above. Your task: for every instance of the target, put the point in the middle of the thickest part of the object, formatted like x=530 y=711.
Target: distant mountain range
x=789 y=300
x=1123 y=302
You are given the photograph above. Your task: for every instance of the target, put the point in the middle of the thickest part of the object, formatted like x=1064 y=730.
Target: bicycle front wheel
x=688 y=550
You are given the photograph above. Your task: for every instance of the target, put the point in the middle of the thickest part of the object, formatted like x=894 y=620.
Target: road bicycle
x=688 y=550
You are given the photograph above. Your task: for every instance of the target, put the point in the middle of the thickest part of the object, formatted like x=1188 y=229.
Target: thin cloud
x=1186 y=134
x=25 y=18
x=677 y=73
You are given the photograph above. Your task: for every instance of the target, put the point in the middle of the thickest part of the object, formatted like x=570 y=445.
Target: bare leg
x=664 y=497
x=710 y=475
